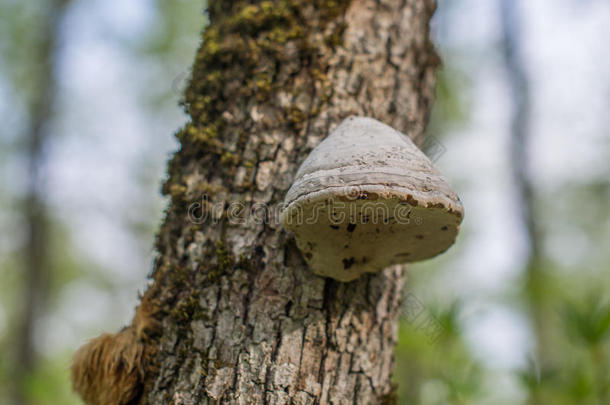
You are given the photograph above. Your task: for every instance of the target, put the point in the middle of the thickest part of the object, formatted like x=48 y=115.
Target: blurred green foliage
x=436 y=371
x=48 y=386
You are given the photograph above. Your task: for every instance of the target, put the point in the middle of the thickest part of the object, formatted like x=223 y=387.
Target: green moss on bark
x=235 y=70
x=237 y=62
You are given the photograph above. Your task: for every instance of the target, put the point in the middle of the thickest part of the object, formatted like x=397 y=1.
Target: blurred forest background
x=518 y=312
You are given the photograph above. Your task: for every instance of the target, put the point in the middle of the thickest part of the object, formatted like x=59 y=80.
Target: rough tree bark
x=232 y=314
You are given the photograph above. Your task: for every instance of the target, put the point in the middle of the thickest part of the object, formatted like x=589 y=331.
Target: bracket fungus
x=365 y=198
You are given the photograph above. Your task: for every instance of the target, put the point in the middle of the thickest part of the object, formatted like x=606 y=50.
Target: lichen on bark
x=240 y=317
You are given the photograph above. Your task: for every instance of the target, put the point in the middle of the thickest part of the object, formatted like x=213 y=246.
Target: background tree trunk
x=36 y=268
x=242 y=318
x=537 y=291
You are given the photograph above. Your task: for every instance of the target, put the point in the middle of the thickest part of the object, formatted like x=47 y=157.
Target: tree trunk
x=536 y=279
x=36 y=270
x=233 y=315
